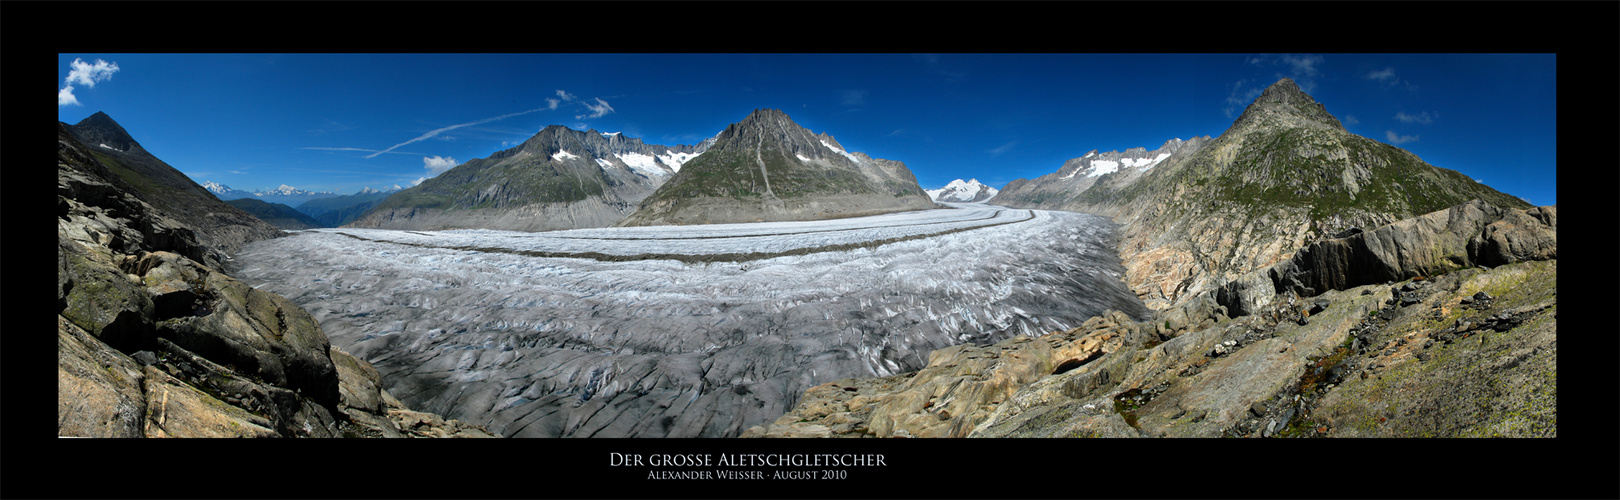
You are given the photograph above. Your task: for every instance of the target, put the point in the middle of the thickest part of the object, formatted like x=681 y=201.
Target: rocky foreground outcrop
x=153 y=342
x=1444 y=325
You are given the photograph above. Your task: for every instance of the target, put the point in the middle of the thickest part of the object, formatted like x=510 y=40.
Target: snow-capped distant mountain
x=958 y=191
x=284 y=194
x=224 y=192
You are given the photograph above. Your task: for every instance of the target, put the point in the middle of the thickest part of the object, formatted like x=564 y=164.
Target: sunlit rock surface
x=683 y=331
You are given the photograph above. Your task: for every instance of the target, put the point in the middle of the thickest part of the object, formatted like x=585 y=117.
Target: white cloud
x=65 y=97
x=551 y=103
x=1423 y=118
x=437 y=165
x=597 y=110
x=88 y=74
x=565 y=95
x=1003 y=148
x=1398 y=139
x=1350 y=120
x=418 y=180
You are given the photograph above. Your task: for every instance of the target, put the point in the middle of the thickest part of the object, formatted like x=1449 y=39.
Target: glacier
x=683 y=331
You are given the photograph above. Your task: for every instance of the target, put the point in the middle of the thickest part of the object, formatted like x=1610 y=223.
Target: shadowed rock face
x=1474 y=233
x=767 y=168
x=152 y=342
x=1443 y=350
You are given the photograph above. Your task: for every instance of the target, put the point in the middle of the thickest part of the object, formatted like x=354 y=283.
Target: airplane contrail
x=435 y=132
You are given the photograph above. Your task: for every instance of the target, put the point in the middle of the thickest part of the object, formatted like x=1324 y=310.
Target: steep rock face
x=1474 y=233
x=1449 y=351
x=768 y=168
x=1285 y=174
x=958 y=191
x=140 y=174
x=153 y=342
x=558 y=179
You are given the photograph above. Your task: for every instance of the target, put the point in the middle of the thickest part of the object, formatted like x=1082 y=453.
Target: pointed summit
x=100 y=131
x=1283 y=103
x=768 y=168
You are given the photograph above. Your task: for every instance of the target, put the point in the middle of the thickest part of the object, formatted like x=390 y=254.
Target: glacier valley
x=683 y=331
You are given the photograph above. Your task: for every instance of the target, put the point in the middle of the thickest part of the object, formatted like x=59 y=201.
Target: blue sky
x=340 y=122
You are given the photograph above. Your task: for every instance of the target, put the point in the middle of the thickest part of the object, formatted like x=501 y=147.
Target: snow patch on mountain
x=675 y=160
x=838 y=150
x=562 y=155
x=1100 y=167
x=1144 y=163
x=644 y=164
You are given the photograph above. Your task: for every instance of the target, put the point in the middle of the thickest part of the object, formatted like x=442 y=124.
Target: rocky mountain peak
x=1284 y=104
x=99 y=130
x=775 y=127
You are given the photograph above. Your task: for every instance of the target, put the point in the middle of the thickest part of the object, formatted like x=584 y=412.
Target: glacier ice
x=683 y=331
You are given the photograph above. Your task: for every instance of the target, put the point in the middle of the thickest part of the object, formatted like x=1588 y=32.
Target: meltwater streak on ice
x=579 y=347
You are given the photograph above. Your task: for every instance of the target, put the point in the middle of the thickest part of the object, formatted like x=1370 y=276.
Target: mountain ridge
x=1286 y=173
x=559 y=178
x=219 y=227
x=768 y=168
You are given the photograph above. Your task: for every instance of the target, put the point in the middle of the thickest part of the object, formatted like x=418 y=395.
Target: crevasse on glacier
x=683 y=331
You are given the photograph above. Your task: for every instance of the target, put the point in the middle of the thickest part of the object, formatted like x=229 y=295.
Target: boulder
x=1247 y=294
x=98 y=297
x=225 y=320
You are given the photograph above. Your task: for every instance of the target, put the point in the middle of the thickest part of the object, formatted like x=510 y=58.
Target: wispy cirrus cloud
x=361 y=150
x=1003 y=148
x=562 y=96
x=1304 y=69
x=1388 y=78
x=86 y=74
x=1396 y=139
x=854 y=97
x=1242 y=94
x=597 y=110
x=1423 y=118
